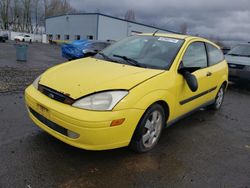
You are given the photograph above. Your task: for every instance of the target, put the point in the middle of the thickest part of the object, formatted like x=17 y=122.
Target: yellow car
x=126 y=94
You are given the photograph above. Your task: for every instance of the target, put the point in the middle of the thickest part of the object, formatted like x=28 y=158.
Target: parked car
x=126 y=94
x=82 y=48
x=239 y=62
x=225 y=50
x=23 y=38
x=4 y=37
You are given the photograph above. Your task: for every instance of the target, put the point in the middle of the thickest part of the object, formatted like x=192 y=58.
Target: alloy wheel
x=219 y=98
x=152 y=129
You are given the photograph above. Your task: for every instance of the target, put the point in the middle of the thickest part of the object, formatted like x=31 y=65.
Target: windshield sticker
x=168 y=39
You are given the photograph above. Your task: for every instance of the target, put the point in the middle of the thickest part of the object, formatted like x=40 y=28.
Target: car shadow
x=73 y=166
x=240 y=86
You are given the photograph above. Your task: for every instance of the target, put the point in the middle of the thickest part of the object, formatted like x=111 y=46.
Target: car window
x=241 y=50
x=214 y=54
x=149 y=51
x=195 y=55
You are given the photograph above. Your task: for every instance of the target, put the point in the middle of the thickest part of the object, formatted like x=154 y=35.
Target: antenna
x=155 y=32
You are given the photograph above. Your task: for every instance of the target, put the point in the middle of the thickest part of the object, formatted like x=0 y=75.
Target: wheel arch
x=225 y=83
x=162 y=97
x=165 y=106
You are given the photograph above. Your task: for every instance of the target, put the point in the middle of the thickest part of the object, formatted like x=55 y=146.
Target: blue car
x=79 y=48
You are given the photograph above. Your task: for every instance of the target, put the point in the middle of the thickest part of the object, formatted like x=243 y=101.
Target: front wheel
x=149 y=129
x=218 y=99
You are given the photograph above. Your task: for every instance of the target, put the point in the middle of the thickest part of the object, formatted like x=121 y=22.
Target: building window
x=90 y=37
x=66 y=37
x=58 y=37
x=77 y=37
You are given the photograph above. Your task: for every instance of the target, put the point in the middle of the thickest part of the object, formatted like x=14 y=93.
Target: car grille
x=48 y=123
x=55 y=95
x=236 y=66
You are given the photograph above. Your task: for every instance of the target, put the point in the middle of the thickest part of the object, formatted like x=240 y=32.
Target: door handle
x=209 y=74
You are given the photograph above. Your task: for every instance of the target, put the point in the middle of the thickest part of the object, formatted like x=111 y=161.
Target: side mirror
x=190 y=78
x=89 y=52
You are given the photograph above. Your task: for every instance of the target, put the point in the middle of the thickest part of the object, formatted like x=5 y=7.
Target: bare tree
x=57 y=7
x=36 y=14
x=4 y=13
x=184 y=28
x=130 y=15
x=30 y=15
x=27 y=20
x=217 y=40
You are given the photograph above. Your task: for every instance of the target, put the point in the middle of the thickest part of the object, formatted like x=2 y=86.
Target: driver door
x=195 y=57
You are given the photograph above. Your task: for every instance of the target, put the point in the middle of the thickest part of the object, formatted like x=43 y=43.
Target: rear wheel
x=218 y=99
x=149 y=129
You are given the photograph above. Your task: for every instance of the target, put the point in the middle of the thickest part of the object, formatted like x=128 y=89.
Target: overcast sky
x=226 y=19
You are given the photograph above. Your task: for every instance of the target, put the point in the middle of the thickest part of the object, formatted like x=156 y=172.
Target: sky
x=227 y=20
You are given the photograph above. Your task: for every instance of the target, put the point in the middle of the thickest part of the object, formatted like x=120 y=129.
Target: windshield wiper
x=234 y=54
x=239 y=55
x=129 y=60
x=105 y=56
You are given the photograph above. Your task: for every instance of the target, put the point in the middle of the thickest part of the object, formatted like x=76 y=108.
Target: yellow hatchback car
x=126 y=94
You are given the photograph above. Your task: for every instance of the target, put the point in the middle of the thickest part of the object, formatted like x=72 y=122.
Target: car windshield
x=143 y=51
x=240 y=50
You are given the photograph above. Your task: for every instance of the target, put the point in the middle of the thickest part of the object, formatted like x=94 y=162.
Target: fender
x=157 y=95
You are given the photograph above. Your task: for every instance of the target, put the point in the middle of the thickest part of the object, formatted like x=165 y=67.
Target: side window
x=195 y=55
x=214 y=54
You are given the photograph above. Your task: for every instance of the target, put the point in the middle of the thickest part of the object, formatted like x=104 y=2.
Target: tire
x=218 y=99
x=23 y=40
x=149 y=129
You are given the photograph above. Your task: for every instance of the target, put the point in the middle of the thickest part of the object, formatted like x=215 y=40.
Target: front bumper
x=239 y=74
x=92 y=126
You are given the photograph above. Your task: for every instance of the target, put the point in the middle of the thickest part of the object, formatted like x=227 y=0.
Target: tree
x=4 y=13
x=57 y=7
x=29 y=15
x=36 y=14
x=130 y=15
x=184 y=28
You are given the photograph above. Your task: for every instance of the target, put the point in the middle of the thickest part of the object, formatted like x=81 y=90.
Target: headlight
x=101 y=101
x=36 y=82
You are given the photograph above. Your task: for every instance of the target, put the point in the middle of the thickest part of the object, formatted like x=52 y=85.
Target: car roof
x=172 y=35
x=179 y=36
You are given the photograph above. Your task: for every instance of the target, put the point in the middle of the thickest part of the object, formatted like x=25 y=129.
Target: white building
x=94 y=26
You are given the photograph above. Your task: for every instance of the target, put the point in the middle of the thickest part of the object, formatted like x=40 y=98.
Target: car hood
x=85 y=76
x=238 y=60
